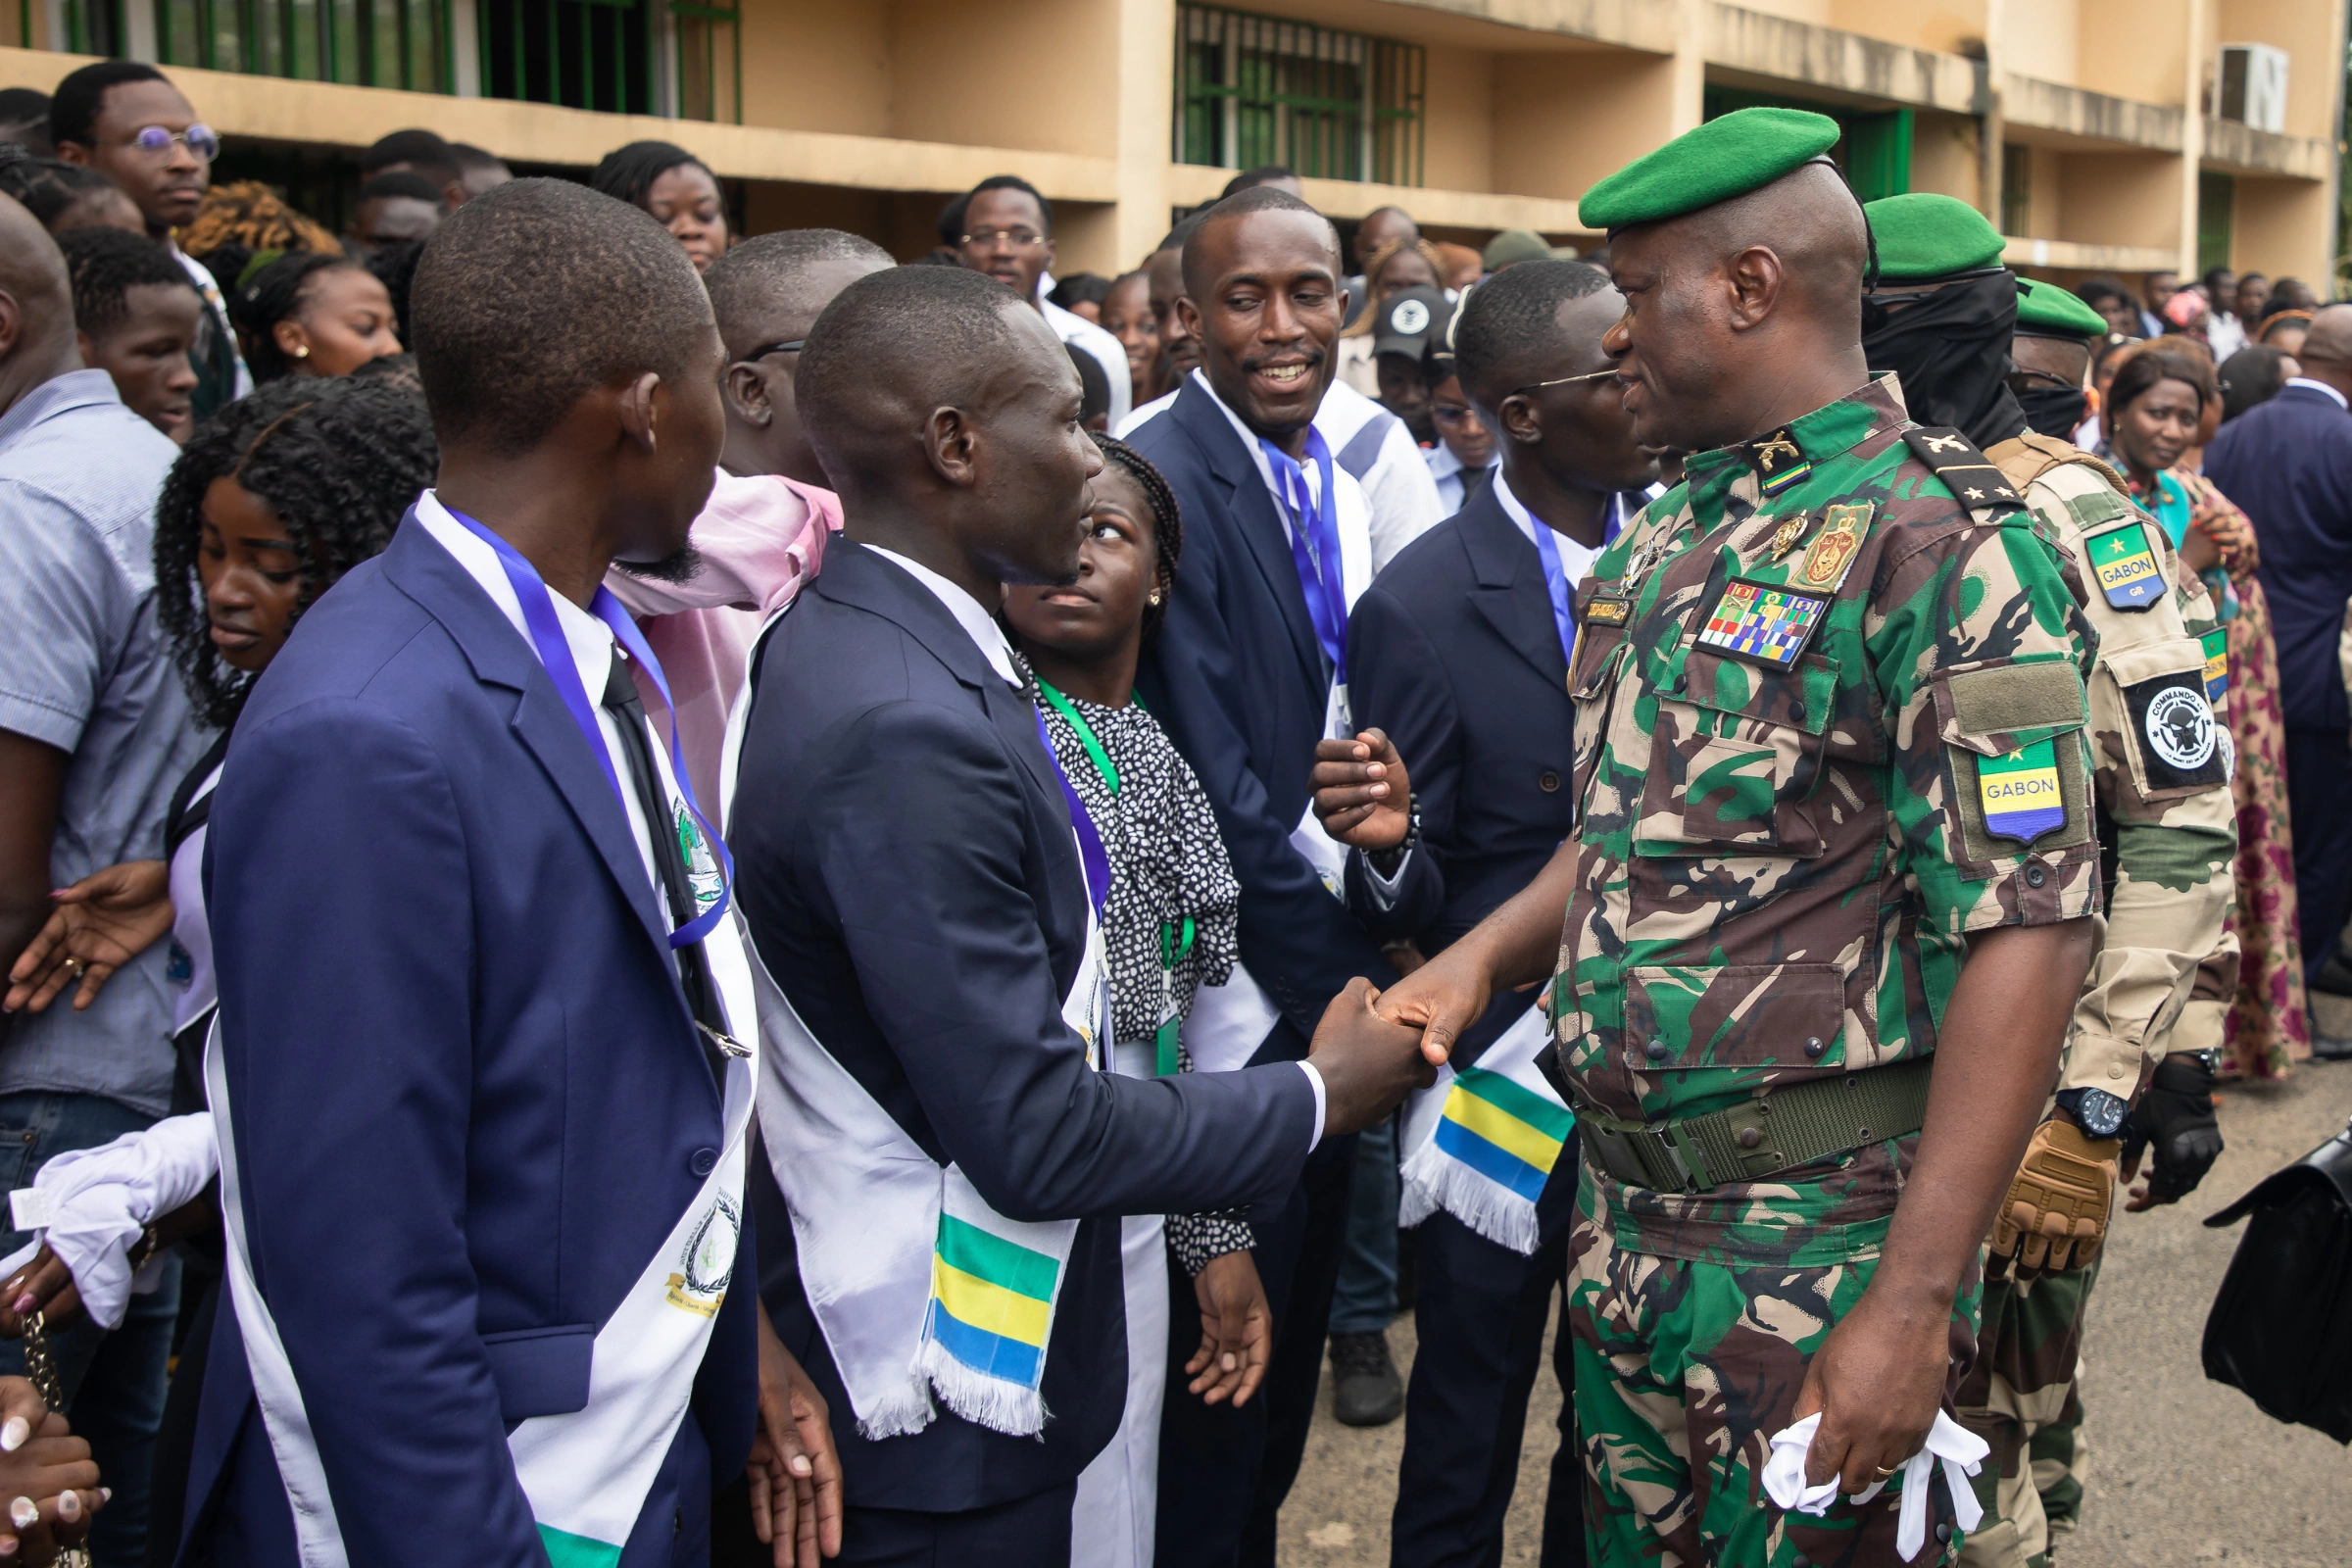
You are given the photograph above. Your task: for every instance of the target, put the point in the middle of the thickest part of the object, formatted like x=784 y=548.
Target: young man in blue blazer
x=479 y=1076
x=1459 y=659
x=923 y=891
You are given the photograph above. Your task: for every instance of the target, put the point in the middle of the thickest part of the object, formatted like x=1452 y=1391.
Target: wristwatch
x=2098 y=1112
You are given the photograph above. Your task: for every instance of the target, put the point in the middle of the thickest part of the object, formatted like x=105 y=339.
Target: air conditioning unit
x=2252 y=79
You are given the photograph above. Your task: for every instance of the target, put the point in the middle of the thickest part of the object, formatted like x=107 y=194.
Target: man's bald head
x=2327 y=352
x=947 y=415
x=36 y=307
x=784 y=280
x=1744 y=315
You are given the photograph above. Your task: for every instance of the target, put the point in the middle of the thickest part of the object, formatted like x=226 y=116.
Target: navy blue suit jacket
x=469 y=1100
x=912 y=885
x=1452 y=651
x=2289 y=463
x=1238 y=680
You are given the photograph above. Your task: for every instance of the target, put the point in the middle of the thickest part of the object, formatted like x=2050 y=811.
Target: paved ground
x=2182 y=1472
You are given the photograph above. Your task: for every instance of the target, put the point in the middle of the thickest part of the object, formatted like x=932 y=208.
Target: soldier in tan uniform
x=1945 y=315
x=1834 y=829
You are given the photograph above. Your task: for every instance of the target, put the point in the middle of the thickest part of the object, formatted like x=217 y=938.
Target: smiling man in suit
x=1249 y=674
x=1459 y=659
x=481 y=1099
x=923 y=891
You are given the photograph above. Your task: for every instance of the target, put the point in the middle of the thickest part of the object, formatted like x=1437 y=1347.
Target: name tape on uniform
x=1608 y=610
x=2019 y=792
x=2125 y=566
x=1766 y=622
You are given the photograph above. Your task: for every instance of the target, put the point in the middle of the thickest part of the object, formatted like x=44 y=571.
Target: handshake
x=1375 y=1046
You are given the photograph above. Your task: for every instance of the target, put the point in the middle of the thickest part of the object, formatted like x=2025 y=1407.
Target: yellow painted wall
x=1457 y=147
x=1034 y=73
x=2131 y=49
x=1939 y=24
x=1562 y=121
x=1944 y=155
x=817 y=68
x=2043 y=39
x=2281 y=229
x=1816 y=12
x=2118 y=199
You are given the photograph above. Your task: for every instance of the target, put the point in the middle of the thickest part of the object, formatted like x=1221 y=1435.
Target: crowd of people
x=678 y=897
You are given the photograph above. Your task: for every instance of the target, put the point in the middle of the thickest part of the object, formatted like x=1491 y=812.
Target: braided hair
x=106 y=265
x=1167 y=521
x=338 y=461
x=627 y=174
x=271 y=295
x=46 y=187
x=250 y=214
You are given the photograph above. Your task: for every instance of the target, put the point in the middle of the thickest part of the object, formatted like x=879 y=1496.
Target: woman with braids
x=677 y=188
x=2158 y=410
x=273 y=500
x=308 y=315
x=1169 y=929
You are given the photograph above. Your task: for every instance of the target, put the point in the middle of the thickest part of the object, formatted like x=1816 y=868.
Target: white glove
x=1959 y=1450
x=100 y=1200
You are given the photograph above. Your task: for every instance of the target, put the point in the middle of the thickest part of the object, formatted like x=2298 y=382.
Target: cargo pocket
x=1737 y=748
x=1774 y=1020
x=2013 y=754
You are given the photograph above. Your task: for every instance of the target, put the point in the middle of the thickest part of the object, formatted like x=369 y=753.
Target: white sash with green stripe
x=1481 y=1143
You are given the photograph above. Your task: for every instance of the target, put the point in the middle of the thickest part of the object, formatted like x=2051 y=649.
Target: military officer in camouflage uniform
x=1944 y=317
x=1828 y=898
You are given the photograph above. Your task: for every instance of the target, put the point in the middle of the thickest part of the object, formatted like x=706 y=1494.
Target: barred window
x=1330 y=105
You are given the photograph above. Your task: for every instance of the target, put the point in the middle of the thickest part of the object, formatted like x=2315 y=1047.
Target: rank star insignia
x=1790 y=530
x=1975 y=494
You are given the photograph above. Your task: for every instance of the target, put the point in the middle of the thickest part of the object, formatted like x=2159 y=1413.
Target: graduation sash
x=923 y=1293
x=1481 y=1143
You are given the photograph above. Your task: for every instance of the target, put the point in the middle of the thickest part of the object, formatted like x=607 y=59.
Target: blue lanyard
x=1090 y=854
x=1315 y=544
x=1556 y=585
x=554 y=651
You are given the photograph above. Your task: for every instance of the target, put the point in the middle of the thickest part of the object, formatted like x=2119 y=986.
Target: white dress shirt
x=2318 y=386
x=1452 y=475
x=1576 y=560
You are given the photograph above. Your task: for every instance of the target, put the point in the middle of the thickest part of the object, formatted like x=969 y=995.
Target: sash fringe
x=983 y=1400
x=902 y=1416
x=1432 y=1181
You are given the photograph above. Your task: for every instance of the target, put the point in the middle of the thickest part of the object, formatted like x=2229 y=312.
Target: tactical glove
x=2056 y=1212
x=2176 y=1119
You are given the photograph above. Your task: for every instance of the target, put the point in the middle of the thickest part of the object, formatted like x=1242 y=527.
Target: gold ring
x=1885 y=1471
x=74 y=967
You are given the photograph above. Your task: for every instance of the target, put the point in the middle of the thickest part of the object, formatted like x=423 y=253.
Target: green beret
x=1729 y=156
x=2044 y=310
x=1926 y=236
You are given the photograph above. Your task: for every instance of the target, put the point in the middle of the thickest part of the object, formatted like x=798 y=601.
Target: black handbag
x=2280 y=1328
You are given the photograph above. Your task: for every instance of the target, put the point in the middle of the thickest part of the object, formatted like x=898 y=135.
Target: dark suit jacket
x=2289 y=463
x=908 y=872
x=1453 y=653
x=469 y=1098
x=1237 y=679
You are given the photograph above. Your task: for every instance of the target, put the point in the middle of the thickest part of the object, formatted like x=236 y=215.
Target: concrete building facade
x=2102 y=135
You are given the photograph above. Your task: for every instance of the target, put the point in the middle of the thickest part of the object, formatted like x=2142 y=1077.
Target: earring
x=303 y=353
x=1154 y=596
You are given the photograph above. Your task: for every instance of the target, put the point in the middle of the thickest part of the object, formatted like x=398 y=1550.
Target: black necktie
x=620 y=696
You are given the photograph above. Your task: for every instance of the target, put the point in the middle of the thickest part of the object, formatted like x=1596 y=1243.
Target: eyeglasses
x=1450 y=413
x=791 y=346
x=157 y=139
x=1020 y=239
x=1562 y=380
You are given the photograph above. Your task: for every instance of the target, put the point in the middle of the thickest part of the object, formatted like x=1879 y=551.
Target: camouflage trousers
x=1684 y=1371
x=2019 y=1396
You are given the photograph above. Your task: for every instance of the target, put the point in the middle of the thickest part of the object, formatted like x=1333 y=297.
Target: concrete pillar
x=2193 y=131
x=1694 y=23
x=1146 y=46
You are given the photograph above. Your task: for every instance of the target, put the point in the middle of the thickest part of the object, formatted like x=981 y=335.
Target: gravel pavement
x=2181 y=1471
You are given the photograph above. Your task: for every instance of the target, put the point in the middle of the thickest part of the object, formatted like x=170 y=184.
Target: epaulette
x=1973 y=478
x=2037 y=455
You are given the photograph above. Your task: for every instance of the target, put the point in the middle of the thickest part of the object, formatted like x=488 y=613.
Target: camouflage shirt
x=2160 y=754
x=1830 y=721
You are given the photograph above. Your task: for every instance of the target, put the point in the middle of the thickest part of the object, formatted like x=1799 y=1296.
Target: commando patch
x=2125 y=566
x=2178 y=736
x=1766 y=622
